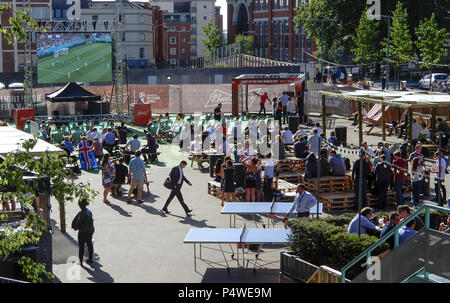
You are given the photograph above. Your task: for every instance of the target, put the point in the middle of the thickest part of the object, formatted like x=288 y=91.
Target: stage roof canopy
x=71 y=92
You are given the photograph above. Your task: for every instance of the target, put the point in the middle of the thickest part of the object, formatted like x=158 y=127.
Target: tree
x=430 y=42
x=18 y=24
x=337 y=35
x=244 y=44
x=367 y=47
x=401 y=44
x=214 y=38
x=12 y=171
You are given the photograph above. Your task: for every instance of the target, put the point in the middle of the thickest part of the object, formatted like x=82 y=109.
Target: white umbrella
x=16 y=85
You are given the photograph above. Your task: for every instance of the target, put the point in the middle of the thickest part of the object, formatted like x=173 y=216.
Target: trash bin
x=341 y=134
x=212 y=162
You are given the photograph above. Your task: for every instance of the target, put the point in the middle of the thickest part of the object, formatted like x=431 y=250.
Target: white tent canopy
x=2 y=86
x=12 y=138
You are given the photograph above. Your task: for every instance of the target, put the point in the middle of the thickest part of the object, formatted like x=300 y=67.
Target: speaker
x=293 y=122
x=341 y=134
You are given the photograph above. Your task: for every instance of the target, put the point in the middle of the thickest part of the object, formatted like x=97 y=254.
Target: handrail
x=394 y=232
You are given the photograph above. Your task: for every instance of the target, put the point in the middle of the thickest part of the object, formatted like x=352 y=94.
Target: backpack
x=348 y=165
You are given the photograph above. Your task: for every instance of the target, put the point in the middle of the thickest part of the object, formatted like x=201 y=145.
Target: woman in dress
x=107 y=177
x=228 y=179
x=250 y=178
x=416 y=180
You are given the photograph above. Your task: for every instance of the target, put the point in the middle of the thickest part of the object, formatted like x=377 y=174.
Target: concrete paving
x=139 y=243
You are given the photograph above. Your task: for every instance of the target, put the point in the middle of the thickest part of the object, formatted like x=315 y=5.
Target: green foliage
x=16 y=27
x=244 y=44
x=430 y=41
x=34 y=271
x=337 y=35
x=436 y=218
x=341 y=220
x=213 y=37
x=366 y=48
x=12 y=172
x=401 y=44
x=323 y=243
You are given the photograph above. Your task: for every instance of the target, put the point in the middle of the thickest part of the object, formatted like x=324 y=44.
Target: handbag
x=168 y=183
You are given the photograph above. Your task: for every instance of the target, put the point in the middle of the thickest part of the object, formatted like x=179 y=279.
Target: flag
x=86 y=155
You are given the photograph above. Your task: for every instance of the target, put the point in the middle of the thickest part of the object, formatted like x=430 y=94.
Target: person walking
x=138 y=176
x=303 y=202
x=107 y=177
x=382 y=174
x=176 y=182
x=84 y=223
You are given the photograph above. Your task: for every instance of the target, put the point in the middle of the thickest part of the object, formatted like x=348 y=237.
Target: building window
x=173 y=61
x=183 y=28
x=184 y=39
x=123 y=36
x=172 y=28
x=204 y=6
x=173 y=51
x=142 y=37
x=141 y=53
x=204 y=17
x=183 y=50
x=173 y=40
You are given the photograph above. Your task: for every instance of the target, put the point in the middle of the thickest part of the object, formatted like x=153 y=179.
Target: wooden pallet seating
x=328 y=184
x=291 y=177
x=214 y=189
x=285 y=187
x=337 y=201
x=287 y=197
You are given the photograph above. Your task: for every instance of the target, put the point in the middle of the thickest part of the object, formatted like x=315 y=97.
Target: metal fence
x=81 y=118
x=4 y=280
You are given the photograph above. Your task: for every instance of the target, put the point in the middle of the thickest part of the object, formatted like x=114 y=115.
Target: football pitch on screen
x=82 y=63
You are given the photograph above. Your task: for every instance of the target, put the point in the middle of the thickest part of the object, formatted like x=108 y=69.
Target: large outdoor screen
x=74 y=57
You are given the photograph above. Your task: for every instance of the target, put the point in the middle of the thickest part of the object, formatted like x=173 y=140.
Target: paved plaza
x=140 y=243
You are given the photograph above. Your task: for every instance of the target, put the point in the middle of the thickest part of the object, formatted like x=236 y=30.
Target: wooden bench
x=291 y=177
x=285 y=187
x=200 y=158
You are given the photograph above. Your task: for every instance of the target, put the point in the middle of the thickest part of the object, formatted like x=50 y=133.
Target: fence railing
x=394 y=232
x=80 y=118
x=4 y=280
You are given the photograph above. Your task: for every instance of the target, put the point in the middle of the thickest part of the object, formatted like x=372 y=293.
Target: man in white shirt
x=268 y=178
x=313 y=143
x=94 y=134
x=300 y=133
x=303 y=202
x=290 y=107
x=439 y=174
x=287 y=136
x=134 y=144
x=367 y=149
x=424 y=133
x=319 y=129
x=284 y=101
x=415 y=129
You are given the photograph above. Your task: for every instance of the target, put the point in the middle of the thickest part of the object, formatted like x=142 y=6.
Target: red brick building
x=12 y=56
x=271 y=22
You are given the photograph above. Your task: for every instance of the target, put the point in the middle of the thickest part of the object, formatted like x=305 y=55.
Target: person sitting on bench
x=133 y=145
x=151 y=149
x=109 y=141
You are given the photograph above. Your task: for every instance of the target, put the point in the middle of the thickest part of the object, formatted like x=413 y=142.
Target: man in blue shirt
x=303 y=202
x=366 y=224
x=336 y=164
x=110 y=140
x=138 y=176
x=68 y=144
x=406 y=232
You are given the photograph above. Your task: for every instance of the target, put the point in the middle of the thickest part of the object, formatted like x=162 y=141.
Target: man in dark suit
x=176 y=181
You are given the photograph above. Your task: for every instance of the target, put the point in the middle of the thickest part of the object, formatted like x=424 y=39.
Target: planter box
x=295 y=268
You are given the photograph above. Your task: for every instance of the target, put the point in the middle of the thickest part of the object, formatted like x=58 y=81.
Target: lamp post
x=321 y=40
x=388 y=42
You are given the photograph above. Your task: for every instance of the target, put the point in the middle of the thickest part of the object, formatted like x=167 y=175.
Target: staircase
x=422 y=258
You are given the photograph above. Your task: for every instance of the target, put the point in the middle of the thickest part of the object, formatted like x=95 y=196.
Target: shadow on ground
x=241 y=275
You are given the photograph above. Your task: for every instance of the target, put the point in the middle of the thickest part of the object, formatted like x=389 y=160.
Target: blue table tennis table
x=239 y=236
x=261 y=208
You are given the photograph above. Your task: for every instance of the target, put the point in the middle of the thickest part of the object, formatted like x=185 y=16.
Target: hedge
x=323 y=243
